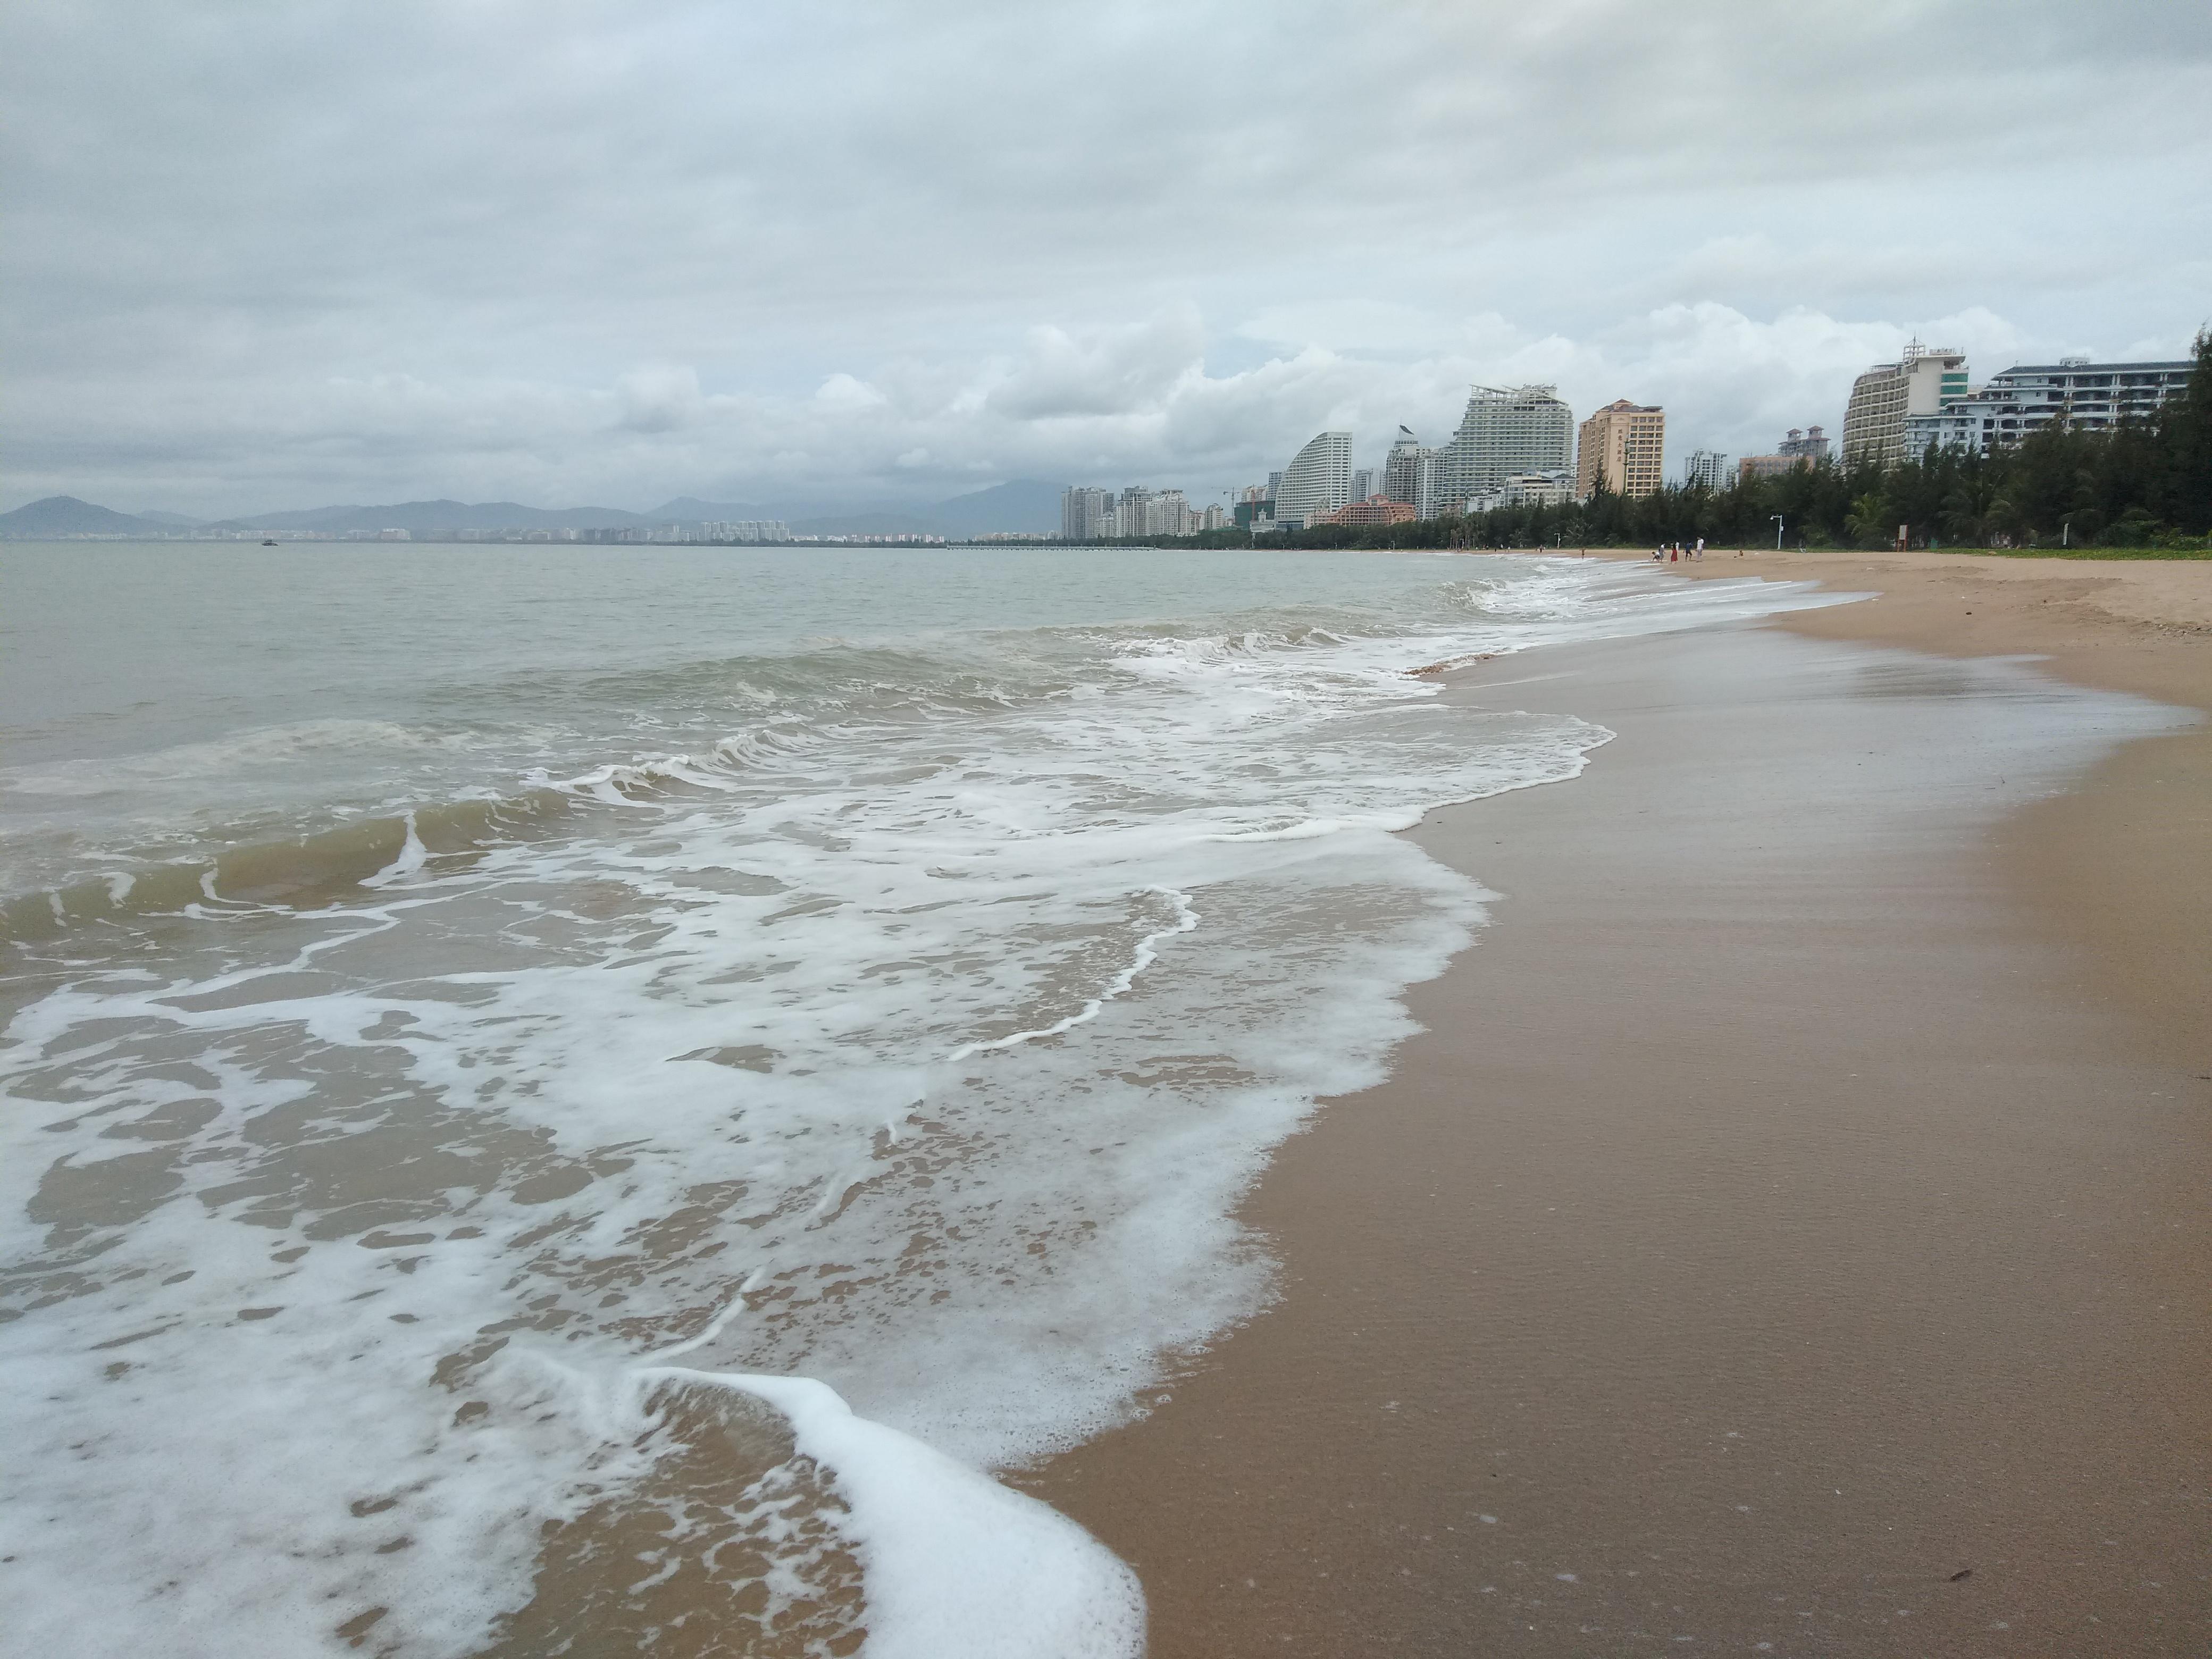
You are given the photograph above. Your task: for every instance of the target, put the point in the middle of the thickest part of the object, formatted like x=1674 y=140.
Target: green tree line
x=2144 y=485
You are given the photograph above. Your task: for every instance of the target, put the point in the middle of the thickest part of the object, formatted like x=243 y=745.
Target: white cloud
x=623 y=250
x=1122 y=371
x=843 y=394
x=662 y=398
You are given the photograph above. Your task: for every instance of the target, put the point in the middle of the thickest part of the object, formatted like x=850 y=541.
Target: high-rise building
x=1413 y=475
x=1502 y=435
x=1623 y=446
x=1363 y=484
x=1133 y=510
x=1083 y=514
x=1399 y=469
x=1918 y=383
x=1808 y=444
x=1707 y=469
x=2072 y=392
x=1168 y=513
x=1317 y=481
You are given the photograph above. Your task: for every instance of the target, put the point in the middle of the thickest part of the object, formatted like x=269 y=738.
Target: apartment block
x=1504 y=434
x=1623 y=446
x=2072 y=392
x=1882 y=398
x=1707 y=469
x=1808 y=444
x=1083 y=514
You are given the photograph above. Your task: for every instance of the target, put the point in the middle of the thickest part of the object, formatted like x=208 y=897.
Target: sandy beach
x=1788 y=1234
x=2117 y=867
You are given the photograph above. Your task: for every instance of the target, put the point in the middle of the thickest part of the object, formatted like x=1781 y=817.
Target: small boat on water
x=269 y=541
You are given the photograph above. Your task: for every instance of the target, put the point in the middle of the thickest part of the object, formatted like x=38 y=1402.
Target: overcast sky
x=262 y=256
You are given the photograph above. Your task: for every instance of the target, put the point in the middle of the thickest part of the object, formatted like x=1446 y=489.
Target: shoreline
x=1787 y=1228
x=2113 y=867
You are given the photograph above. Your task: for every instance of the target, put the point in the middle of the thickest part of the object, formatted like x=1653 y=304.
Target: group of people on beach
x=1668 y=552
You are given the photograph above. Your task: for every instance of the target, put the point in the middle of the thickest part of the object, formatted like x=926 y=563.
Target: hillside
x=65 y=516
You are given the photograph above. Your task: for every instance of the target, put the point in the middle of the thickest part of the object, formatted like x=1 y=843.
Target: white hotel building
x=1317 y=483
x=2072 y=392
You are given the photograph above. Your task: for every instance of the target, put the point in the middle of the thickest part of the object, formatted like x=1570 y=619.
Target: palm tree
x=1965 y=514
x=1869 y=520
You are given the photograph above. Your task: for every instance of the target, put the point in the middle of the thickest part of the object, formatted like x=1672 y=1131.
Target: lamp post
x=1778 y=532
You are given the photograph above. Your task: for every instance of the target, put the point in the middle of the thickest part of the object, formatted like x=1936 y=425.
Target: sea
x=580 y=1100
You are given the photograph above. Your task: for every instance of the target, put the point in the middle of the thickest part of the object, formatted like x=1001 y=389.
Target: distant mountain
x=417 y=516
x=1024 y=506
x=65 y=516
x=1021 y=506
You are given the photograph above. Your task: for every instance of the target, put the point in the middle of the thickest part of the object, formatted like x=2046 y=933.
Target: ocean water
x=586 y=1100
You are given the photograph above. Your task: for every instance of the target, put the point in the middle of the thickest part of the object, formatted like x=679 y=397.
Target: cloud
x=843 y=394
x=263 y=258
x=1113 y=371
x=660 y=399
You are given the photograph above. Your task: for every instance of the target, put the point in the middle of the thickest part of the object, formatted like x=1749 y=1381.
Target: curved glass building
x=1318 y=480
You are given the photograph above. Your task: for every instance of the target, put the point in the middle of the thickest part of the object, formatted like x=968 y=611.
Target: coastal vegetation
x=2143 y=490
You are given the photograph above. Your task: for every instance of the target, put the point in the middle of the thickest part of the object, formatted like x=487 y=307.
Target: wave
x=891 y=1027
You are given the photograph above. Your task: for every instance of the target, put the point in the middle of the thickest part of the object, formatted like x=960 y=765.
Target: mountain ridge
x=1018 y=506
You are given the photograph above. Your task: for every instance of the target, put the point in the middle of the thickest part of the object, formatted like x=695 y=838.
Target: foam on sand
x=955 y=1562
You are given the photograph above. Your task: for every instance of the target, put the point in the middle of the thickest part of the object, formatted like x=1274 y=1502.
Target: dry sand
x=1790 y=1234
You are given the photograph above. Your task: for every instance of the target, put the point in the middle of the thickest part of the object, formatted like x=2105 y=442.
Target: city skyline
x=659 y=268
x=1510 y=449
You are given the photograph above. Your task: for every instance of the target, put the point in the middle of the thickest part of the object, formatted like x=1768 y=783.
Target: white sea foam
x=957 y=1563
x=914 y=1043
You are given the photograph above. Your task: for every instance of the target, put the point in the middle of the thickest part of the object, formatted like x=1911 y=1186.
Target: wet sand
x=1788 y=1234
x=2117 y=867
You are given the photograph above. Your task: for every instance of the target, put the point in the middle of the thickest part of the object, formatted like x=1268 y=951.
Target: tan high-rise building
x=1919 y=383
x=1624 y=445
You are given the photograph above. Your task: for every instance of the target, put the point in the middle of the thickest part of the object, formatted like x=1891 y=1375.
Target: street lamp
x=1778 y=532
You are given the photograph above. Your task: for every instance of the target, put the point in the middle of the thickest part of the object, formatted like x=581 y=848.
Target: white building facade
x=1413 y=474
x=1083 y=514
x=1707 y=469
x=1317 y=483
x=2073 y=392
x=1502 y=435
x=1887 y=395
x=1524 y=490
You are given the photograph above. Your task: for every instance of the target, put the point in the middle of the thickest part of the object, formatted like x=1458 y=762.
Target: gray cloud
x=268 y=257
